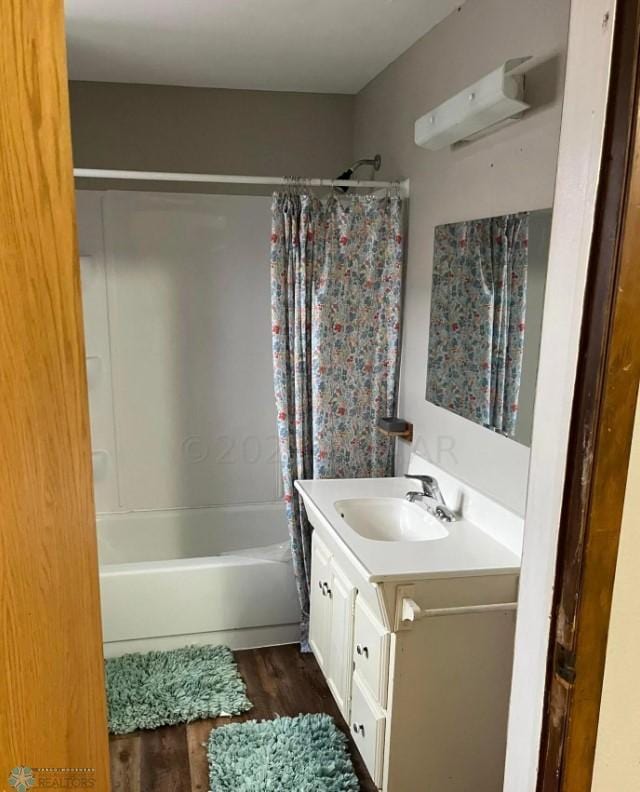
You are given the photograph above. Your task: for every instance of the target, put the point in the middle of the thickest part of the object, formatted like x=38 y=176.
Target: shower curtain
x=336 y=281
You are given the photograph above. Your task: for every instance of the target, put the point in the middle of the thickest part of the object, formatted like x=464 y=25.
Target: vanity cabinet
x=420 y=670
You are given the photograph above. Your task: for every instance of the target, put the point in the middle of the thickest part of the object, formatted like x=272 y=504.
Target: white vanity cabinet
x=415 y=638
x=425 y=697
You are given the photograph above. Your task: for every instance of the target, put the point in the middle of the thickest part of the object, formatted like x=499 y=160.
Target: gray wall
x=210 y=130
x=512 y=169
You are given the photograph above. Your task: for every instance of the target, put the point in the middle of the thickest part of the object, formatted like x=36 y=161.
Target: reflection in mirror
x=486 y=319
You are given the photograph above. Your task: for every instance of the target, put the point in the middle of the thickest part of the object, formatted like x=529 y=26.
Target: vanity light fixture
x=495 y=98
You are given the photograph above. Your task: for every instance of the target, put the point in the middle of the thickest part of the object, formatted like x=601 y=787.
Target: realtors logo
x=21 y=779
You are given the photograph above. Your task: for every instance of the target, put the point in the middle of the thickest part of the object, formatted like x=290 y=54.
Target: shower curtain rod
x=208 y=178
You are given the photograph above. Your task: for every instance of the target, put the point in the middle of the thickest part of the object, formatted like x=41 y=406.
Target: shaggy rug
x=305 y=754
x=145 y=691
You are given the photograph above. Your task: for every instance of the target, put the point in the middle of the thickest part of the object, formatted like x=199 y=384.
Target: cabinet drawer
x=367 y=729
x=371 y=651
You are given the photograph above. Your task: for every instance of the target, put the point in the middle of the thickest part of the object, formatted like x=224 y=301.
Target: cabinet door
x=320 y=602
x=340 y=667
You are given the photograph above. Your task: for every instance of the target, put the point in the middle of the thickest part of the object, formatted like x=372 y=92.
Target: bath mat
x=154 y=689
x=305 y=754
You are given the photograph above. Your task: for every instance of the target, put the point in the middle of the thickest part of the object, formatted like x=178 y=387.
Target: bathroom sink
x=390 y=520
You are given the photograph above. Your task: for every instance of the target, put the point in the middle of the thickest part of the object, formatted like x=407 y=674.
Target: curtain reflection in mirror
x=477 y=329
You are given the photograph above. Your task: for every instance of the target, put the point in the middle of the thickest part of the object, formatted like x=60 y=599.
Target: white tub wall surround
x=177 y=326
x=156 y=536
x=184 y=402
x=97 y=348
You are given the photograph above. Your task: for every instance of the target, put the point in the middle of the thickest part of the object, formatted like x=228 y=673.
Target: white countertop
x=466 y=550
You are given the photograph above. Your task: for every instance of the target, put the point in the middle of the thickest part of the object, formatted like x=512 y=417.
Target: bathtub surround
x=510 y=170
x=304 y=753
x=336 y=282
x=182 y=402
x=182 y=418
x=145 y=691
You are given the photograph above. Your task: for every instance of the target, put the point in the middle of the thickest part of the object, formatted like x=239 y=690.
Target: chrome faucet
x=431 y=497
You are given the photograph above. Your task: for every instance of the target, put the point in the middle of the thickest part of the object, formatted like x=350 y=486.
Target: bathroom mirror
x=486 y=318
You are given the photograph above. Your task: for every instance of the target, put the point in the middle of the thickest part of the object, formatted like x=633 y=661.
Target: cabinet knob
x=358 y=727
x=363 y=650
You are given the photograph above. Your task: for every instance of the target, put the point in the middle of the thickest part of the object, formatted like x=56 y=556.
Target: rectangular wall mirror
x=486 y=318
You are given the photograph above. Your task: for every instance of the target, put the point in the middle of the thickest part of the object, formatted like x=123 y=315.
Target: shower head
x=373 y=162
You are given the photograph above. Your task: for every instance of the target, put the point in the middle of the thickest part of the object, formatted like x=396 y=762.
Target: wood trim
x=52 y=701
x=600 y=440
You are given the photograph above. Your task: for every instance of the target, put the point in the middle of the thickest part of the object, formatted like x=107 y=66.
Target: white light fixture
x=488 y=102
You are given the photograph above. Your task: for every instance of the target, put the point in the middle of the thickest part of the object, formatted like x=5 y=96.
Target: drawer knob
x=358 y=727
x=363 y=650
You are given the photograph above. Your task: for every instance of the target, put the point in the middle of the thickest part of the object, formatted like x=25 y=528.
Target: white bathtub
x=164 y=583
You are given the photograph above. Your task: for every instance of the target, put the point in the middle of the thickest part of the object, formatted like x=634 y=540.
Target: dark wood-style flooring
x=280 y=681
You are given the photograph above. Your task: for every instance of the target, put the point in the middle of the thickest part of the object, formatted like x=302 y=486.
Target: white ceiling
x=334 y=46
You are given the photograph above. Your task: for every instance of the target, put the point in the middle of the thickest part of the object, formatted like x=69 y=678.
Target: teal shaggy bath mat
x=163 y=688
x=305 y=754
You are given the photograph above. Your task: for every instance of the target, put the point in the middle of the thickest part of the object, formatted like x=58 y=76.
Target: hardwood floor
x=280 y=681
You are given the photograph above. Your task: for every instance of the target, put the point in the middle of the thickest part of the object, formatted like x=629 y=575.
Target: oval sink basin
x=390 y=520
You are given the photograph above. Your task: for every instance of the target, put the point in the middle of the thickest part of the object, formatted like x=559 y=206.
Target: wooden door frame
x=53 y=723
x=600 y=437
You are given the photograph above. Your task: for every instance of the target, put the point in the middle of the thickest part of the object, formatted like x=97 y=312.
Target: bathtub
x=171 y=578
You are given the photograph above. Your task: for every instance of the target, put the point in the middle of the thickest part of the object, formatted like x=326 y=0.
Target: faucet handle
x=429 y=486
x=419 y=477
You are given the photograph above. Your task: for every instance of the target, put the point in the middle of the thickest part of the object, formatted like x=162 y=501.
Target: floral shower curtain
x=336 y=281
x=478 y=306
